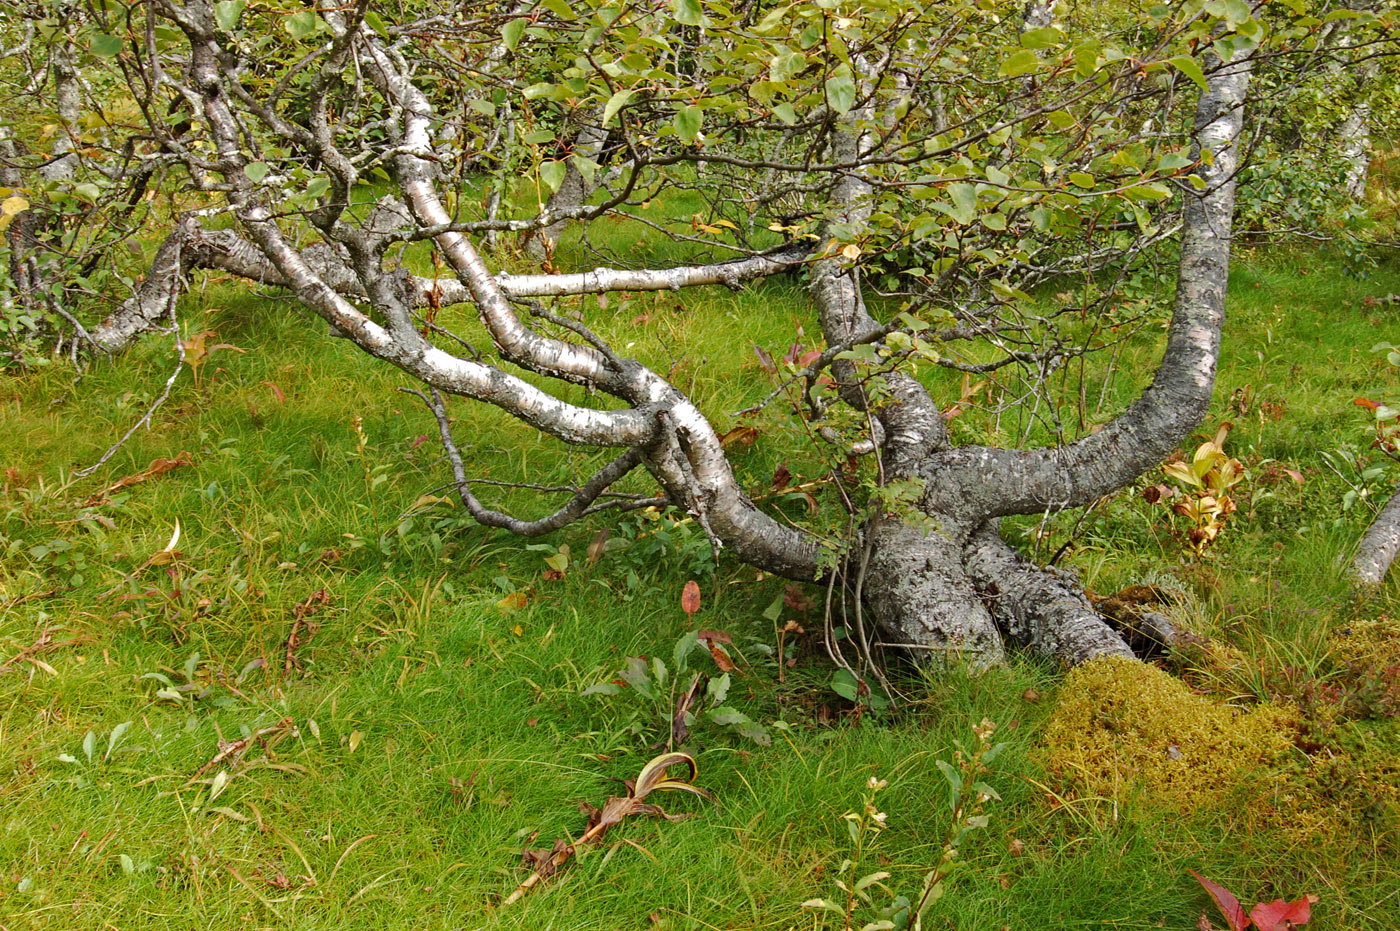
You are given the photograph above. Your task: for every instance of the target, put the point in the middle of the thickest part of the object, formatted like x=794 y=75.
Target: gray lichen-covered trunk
x=932 y=570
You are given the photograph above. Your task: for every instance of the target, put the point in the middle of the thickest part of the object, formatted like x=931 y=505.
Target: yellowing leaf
x=13 y=205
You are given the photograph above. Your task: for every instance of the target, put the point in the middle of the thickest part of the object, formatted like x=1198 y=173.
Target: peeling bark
x=1379 y=546
x=1043 y=608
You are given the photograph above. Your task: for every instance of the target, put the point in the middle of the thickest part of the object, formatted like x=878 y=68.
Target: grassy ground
x=426 y=731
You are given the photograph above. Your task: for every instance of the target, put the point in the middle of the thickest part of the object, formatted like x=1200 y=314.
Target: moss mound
x=1368 y=643
x=1122 y=727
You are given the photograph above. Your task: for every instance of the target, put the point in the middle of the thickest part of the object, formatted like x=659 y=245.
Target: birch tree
x=925 y=167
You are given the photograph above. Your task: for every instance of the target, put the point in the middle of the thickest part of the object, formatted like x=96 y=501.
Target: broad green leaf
x=318 y=186
x=227 y=13
x=680 y=656
x=1189 y=67
x=552 y=174
x=616 y=102
x=846 y=685
x=841 y=90
x=687 y=123
x=585 y=166
x=90 y=745
x=300 y=25
x=964 y=208
x=1172 y=161
x=376 y=22
x=1081 y=179
x=559 y=8
x=785 y=112
x=688 y=12
x=255 y=171
x=105 y=46
x=512 y=31
x=1043 y=38
x=1021 y=62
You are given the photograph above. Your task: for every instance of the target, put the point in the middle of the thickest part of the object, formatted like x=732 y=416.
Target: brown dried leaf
x=158 y=466
x=739 y=438
x=598 y=545
x=722 y=659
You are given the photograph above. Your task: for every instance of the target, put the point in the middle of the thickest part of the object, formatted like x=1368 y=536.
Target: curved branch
x=1027 y=481
x=580 y=505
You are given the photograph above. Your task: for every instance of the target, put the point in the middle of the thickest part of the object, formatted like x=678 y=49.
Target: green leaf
x=1043 y=38
x=845 y=684
x=635 y=675
x=1173 y=161
x=786 y=113
x=823 y=903
x=300 y=25
x=376 y=22
x=512 y=31
x=688 y=12
x=227 y=13
x=552 y=174
x=1189 y=67
x=90 y=745
x=717 y=690
x=680 y=656
x=616 y=102
x=318 y=186
x=255 y=171
x=687 y=122
x=841 y=90
x=117 y=733
x=1081 y=179
x=538 y=136
x=585 y=166
x=950 y=774
x=105 y=46
x=1022 y=62
x=559 y=8
x=964 y=207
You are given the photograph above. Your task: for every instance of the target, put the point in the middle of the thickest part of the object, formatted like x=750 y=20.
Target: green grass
x=447 y=732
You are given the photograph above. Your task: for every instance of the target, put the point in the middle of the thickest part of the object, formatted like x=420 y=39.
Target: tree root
x=919 y=594
x=1043 y=608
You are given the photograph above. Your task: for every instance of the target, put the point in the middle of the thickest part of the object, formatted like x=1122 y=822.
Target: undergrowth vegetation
x=331 y=700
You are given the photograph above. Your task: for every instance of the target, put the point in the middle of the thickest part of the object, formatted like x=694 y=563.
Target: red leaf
x=690 y=598
x=1279 y=915
x=1369 y=405
x=781 y=476
x=808 y=357
x=713 y=636
x=764 y=359
x=1229 y=905
x=281 y=398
